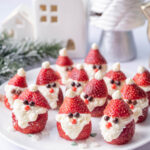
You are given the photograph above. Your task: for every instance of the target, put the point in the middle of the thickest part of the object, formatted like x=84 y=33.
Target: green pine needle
x=14 y=55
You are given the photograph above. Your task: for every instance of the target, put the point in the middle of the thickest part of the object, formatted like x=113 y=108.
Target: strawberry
x=34 y=127
x=148 y=96
x=143 y=116
x=64 y=61
x=7 y=103
x=60 y=97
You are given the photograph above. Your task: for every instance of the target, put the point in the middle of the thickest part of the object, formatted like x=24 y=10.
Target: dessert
x=136 y=98
x=49 y=87
x=74 y=118
x=117 y=125
x=142 y=79
x=94 y=62
x=95 y=95
x=14 y=88
x=63 y=66
x=30 y=111
x=77 y=79
x=114 y=79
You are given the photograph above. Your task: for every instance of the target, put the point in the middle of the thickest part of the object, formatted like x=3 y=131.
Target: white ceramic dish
x=52 y=140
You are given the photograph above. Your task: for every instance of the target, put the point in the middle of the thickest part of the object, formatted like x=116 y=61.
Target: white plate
x=52 y=141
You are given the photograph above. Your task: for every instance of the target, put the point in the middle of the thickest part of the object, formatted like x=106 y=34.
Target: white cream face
x=73 y=129
x=51 y=97
x=93 y=102
x=111 y=128
x=12 y=90
x=109 y=83
x=77 y=84
x=24 y=116
x=90 y=69
x=63 y=71
x=137 y=106
x=145 y=88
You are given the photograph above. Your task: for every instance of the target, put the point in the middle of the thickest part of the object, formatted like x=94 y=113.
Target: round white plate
x=51 y=140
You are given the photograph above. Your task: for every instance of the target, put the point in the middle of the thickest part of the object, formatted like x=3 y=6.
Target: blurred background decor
x=117 y=18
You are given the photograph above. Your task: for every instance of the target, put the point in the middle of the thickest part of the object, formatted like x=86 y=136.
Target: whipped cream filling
x=90 y=71
x=95 y=102
x=9 y=95
x=138 y=108
x=63 y=73
x=52 y=98
x=79 y=89
x=24 y=117
x=114 y=132
x=145 y=88
x=73 y=130
x=109 y=86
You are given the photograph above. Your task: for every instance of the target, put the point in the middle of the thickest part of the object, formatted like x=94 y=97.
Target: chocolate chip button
x=129 y=102
x=100 y=67
x=112 y=81
x=18 y=92
x=134 y=102
x=70 y=115
x=13 y=91
x=73 y=84
x=106 y=118
x=78 y=85
x=54 y=85
x=77 y=115
x=91 y=99
x=26 y=102
x=86 y=96
x=94 y=67
x=48 y=86
x=32 y=103
x=118 y=83
x=116 y=120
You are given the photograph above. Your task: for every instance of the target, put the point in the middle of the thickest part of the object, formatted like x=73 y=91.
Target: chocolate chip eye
x=86 y=96
x=91 y=99
x=118 y=83
x=26 y=102
x=129 y=102
x=116 y=120
x=54 y=85
x=77 y=115
x=70 y=115
x=73 y=84
x=48 y=86
x=67 y=69
x=134 y=102
x=112 y=81
x=78 y=84
x=71 y=68
x=94 y=67
x=18 y=92
x=106 y=118
x=100 y=67
x=13 y=91
x=32 y=103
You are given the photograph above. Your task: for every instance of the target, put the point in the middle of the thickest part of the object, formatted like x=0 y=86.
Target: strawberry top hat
x=116 y=73
x=46 y=75
x=33 y=95
x=96 y=87
x=117 y=107
x=73 y=104
x=19 y=79
x=78 y=74
x=94 y=56
x=142 y=78
x=63 y=59
x=131 y=91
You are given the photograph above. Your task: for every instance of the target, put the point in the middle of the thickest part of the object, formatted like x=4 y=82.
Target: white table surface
x=143 y=48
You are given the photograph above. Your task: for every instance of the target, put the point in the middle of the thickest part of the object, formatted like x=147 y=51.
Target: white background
x=143 y=48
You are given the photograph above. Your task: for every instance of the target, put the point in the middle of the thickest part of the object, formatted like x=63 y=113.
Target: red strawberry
x=64 y=61
x=148 y=96
x=60 y=97
x=34 y=127
x=143 y=116
x=7 y=103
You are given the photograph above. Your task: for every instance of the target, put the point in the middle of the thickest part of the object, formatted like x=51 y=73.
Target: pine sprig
x=14 y=55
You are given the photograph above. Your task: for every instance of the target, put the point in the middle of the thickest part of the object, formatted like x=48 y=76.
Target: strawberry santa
x=95 y=95
x=48 y=85
x=94 y=62
x=30 y=111
x=15 y=87
x=117 y=125
x=74 y=118
x=136 y=99
x=142 y=79
x=77 y=79
x=63 y=66
x=114 y=79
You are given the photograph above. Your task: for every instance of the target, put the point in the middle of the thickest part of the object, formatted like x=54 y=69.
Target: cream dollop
x=117 y=95
x=45 y=64
x=141 y=69
x=94 y=46
x=79 y=66
x=71 y=94
x=63 y=52
x=99 y=75
x=33 y=88
x=21 y=72
x=116 y=67
x=129 y=81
